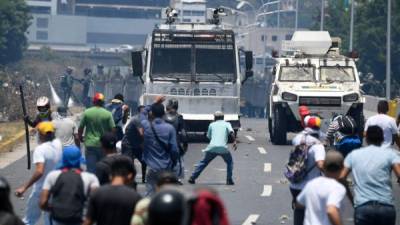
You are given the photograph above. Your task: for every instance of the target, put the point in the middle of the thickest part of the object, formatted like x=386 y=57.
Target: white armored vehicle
x=197 y=64
x=312 y=74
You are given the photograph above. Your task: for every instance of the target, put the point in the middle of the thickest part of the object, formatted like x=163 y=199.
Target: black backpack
x=347 y=125
x=68 y=197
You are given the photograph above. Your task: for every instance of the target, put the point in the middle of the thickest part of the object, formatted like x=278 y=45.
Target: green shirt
x=218 y=133
x=97 y=121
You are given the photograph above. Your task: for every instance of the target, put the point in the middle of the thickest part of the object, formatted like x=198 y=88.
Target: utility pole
x=279 y=15
x=351 y=26
x=296 y=22
x=388 y=42
x=322 y=14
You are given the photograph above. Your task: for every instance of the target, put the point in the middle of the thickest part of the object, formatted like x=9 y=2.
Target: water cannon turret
x=171 y=14
x=216 y=15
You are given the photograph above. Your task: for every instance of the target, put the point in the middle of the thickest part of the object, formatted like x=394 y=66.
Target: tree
x=14 y=22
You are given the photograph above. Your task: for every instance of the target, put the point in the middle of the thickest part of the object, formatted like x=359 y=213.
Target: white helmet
x=43 y=102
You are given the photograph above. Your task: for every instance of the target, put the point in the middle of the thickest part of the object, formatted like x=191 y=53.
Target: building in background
x=93 y=23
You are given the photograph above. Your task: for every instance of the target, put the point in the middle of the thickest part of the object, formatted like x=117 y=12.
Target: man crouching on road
x=218 y=133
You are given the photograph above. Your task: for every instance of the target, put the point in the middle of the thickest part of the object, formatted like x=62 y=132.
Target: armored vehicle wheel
x=279 y=126
x=270 y=129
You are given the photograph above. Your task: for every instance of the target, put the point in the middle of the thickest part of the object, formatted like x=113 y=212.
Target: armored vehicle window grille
x=320 y=101
x=337 y=74
x=213 y=92
x=181 y=91
x=187 y=91
x=204 y=91
x=196 y=92
x=173 y=91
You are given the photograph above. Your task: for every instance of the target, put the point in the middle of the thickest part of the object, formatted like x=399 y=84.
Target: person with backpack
x=132 y=141
x=219 y=133
x=176 y=120
x=46 y=156
x=323 y=196
x=119 y=112
x=342 y=134
x=68 y=188
x=7 y=214
x=372 y=168
x=114 y=203
x=160 y=145
x=305 y=162
x=95 y=122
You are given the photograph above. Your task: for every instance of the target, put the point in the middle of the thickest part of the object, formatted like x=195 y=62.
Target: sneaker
x=230 y=182
x=191 y=181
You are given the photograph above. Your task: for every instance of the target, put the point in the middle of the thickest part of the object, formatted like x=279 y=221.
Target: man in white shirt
x=387 y=123
x=45 y=157
x=66 y=193
x=65 y=128
x=323 y=196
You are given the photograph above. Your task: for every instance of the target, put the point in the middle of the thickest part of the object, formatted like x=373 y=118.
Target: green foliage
x=14 y=22
x=369 y=35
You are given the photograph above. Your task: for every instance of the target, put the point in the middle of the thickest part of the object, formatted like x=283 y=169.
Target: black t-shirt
x=103 y=168
x=112 y=205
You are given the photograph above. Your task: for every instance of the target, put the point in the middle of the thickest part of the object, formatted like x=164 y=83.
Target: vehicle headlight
x=289 y=96
x=350 y=97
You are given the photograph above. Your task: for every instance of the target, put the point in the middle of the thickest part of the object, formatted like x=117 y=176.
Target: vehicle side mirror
x=137 y=63
x=249 y=61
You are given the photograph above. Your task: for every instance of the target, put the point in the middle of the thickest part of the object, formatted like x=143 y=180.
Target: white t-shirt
x=315 y=153
x=65 y=130
x=50 y=154
x=388 y=125
x=90 y=181
x=317 y=195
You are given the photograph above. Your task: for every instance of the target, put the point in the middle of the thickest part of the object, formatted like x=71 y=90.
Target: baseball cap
x=71 y=157
x=333 y=161
x=108 y=140
x=45 y=128
x=98 y=97
x=313 y=122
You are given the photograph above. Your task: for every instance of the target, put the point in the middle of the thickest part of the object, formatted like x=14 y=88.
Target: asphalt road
x=261 y=194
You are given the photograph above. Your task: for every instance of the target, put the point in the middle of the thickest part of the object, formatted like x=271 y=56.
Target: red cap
x=98 y=97
x=304 y=111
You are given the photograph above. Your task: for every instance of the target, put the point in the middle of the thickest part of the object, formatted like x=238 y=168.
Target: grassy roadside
x=12 y=133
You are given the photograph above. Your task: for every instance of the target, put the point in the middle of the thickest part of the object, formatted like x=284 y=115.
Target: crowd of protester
x=320 y=164
x=85 y=174
x=95 y=182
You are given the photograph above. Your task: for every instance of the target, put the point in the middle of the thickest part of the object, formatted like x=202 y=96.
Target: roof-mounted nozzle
x=216 y=16
x=172 y=14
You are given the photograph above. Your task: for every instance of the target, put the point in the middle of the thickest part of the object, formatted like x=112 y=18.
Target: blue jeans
x=210 y=156
x=93 y=155
x=33 y=212
x=374 y=213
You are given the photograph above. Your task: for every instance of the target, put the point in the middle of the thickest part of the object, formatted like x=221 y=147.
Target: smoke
x=55 y=98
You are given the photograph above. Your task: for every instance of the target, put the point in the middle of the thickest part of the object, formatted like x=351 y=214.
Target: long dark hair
x=5 y=203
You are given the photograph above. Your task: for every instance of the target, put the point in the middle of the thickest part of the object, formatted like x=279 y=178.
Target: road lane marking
x=267 y=167
x=250 y=138
x=267 y=191
x=262 y=150
x=252 y=219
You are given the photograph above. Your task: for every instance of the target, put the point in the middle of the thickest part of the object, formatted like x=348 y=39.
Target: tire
x=270 y=129
x=279 y=126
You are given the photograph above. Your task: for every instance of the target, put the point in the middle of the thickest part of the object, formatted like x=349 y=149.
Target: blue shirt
x=155 y=155
x=372 y=171
x=218 y=133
